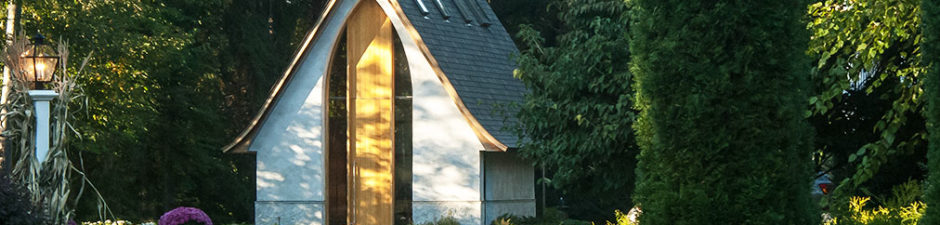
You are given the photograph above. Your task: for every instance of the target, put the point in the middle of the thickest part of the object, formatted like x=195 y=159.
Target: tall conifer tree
x=931 y=48
x=722 y=89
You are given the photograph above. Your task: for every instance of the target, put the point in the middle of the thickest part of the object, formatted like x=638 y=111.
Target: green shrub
x=904 y=194
x=858 y=214
x=723 y=89
x=902 y=207
x=620 y=218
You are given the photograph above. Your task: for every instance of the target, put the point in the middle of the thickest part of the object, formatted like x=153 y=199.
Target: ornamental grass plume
x=183 y=215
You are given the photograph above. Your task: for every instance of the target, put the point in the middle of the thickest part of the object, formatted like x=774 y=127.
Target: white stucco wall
x=446 y=163
x=289 y=144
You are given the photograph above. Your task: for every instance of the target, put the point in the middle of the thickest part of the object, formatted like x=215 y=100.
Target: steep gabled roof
x=474 y=51
x=470 y=46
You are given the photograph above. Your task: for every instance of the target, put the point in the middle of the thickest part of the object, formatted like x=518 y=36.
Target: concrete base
x=467 y=212
x=311 y=213
x=289 y=212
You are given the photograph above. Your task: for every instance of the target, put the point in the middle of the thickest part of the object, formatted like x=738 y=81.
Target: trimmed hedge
x=931 y=56
x=722 y=89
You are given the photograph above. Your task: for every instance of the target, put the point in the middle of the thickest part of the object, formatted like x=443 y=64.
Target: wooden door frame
x=383 y=115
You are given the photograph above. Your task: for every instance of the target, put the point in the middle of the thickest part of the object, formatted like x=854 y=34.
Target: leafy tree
x=576 y=116
x=868 y=52
x=722 y=87
x=931 y=47
x=168 y=84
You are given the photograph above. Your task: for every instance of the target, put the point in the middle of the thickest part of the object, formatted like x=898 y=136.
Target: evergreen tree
x=931 y=48
x=722 y=89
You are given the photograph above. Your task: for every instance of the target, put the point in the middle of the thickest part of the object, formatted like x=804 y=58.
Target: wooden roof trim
x=244 y=139
x=489 y=142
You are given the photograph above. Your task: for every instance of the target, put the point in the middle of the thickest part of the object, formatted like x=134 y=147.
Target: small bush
x=15 y=208
x=904 y=206
x=858 y=214
x=110 y=222
x=620 y=218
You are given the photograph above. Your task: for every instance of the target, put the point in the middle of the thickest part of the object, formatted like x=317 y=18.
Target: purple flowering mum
x=72 y=222
x=182 y=215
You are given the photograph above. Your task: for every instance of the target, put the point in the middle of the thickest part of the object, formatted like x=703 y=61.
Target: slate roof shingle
x=476 y=57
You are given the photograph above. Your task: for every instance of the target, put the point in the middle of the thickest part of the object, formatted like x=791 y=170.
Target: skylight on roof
x=464 y=12
x=440 y=5
x=424 y=9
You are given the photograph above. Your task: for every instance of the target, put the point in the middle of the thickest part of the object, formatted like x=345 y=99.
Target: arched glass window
x=336 y=203
x=403 y=132
x=338 y=138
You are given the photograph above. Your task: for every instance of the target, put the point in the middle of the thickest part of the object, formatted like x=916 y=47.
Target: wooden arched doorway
x=369 y=124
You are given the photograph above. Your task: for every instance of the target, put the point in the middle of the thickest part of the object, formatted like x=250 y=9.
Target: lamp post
x=39 y=63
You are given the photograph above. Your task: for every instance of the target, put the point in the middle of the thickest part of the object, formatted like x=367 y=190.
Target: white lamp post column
x=41 y=100
x=39 y=62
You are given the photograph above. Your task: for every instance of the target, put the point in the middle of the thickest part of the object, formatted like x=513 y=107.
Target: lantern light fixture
x=39 y=62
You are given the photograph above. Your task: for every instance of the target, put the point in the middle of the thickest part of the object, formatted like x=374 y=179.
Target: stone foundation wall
x=289 y=212
x=467 y=212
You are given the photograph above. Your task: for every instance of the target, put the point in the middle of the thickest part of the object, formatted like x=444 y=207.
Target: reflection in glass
x=402 y=135
x=337 y=140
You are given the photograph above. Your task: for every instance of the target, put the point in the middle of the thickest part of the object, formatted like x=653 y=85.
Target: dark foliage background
x=169 y=83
